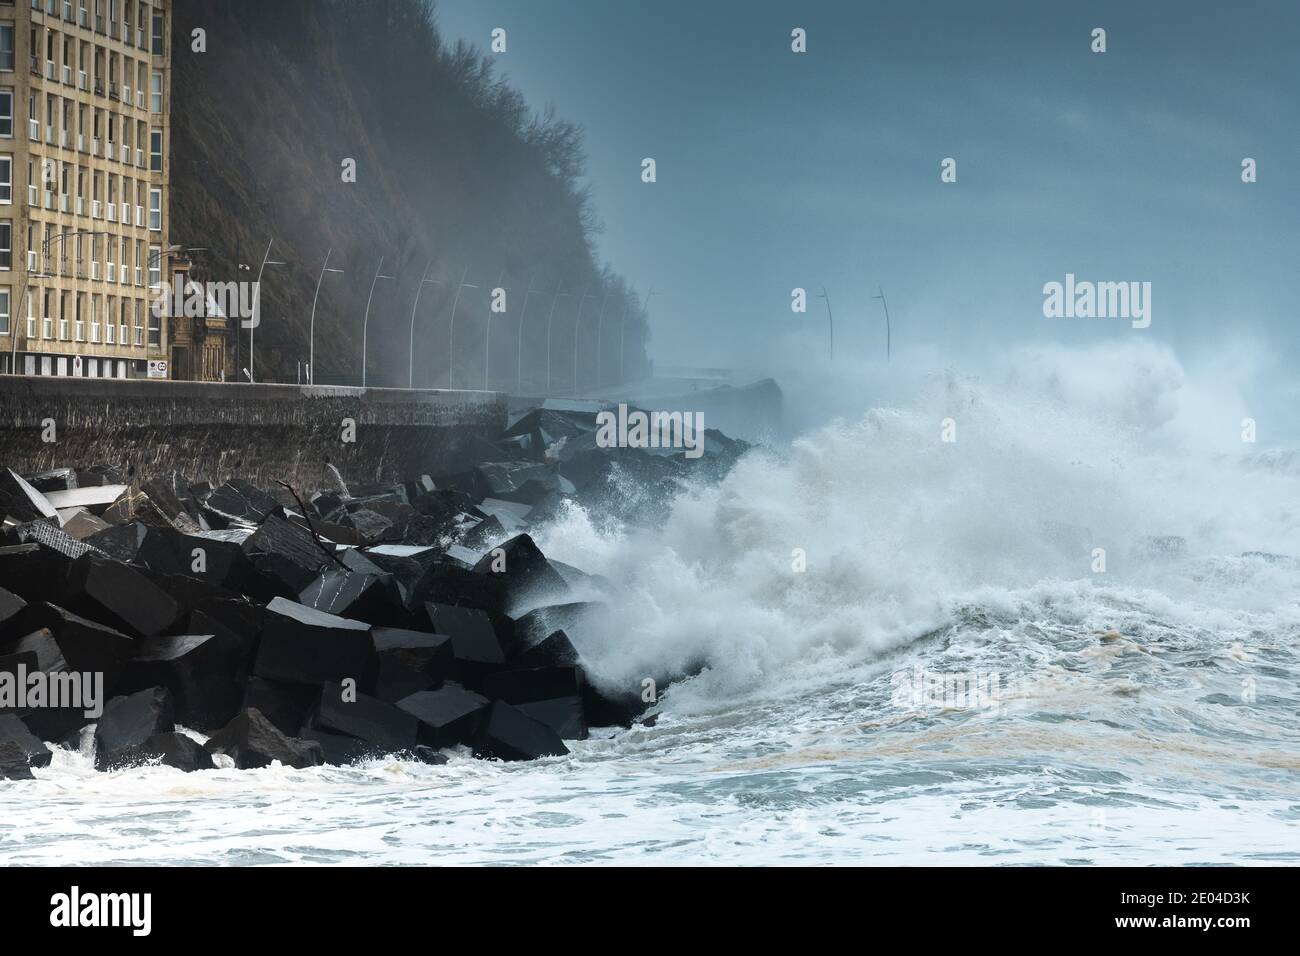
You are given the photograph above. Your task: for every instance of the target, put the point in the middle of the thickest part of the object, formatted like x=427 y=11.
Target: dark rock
x=169 y=749
x=474 y=638
x=384 y=727
x=347 y=594
x=59 y=479
x=83 y=525
x=130 y=721
x=253 y=741
x=32 y=572
x=563 y=715
x=96 y=476
x=10 y=605
x=137 y=504
x=238 y=500
x=13 y=762
x=447 y=716
x=410 y=661
x=120 y=542
x=524 y=569
x=86 y=645
x=301 y=645
x=506 y=733
x=285 y=705
x=370 y=526
x=525 y=685
x=211 y=560
x=49 y=535
x=554 y=650
x=119 y=595
x=339 y=750
x=13 y=730
x=286 y=555
x=607 y=707
x=20 y=502
x=197 y=670
x=428 y=755
x=448 y=584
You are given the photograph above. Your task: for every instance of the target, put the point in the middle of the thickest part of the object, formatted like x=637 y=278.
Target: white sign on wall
x=157 y=368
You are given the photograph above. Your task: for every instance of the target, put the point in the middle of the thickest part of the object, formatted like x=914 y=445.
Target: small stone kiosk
x=200 y=345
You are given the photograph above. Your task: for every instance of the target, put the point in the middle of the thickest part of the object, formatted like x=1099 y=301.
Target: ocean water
x=837 y=598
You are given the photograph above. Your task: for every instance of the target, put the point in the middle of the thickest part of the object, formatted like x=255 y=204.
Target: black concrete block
x=213 y=561
x=199 y=672
x=428 y=755
x=130 y=721
x=288 y=706
x=119 y=595
x=20 y=502
x=169 y=749
x=386 y=728
x=13 y=730
x=554 y=650
x=120 y=542
x=301 y=645
x=10 y=605
x=351 y=594
x=86 y=645
x=13 y=762
x=476 y=636
x=240 y=501
x=525 y=571
x=524 y=685
x=58 y=479
x=448 y=716
x=506 y=733
x=563 y=715
x=32 y=572
x=449 y=584
x=253 y=741
x=339 y=750
x=285 y=555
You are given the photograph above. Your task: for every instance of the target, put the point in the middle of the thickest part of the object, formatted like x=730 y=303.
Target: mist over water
x=1148 y=712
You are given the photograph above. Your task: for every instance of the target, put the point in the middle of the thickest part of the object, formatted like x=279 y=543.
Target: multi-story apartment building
x=84 y=135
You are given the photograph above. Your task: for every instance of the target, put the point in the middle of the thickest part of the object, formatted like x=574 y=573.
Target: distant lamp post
x=257 y=308
x=424 y=280
x=577 y=325
x=830 y=322
x=451 y=331
x=549 y=321
x=600 y=323
x=311 y=334
x=888 y=333
x=519 y=343
x=365 y=323
x=487 y=333
x=622 y=334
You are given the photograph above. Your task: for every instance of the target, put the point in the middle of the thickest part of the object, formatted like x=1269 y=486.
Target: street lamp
x=519 y=344
x=487 y=333
x=830 y=322
x=311 y=334
x=888 y=334
x=549 y=320
x=365 y=323
x=576 y=326
x=257 y=308
x=451 y=331
x=622 y=333
x=424 y=279
x=600 y=324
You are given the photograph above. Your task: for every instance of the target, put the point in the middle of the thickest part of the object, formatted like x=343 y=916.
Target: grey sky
x=779 y=170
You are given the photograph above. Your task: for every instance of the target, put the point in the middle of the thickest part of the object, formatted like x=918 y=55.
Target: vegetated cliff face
x=451 y=169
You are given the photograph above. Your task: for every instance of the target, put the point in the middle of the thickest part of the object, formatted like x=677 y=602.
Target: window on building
x=155 y=266
x=7 y=113
x=6 y=244
x=155 y=150
x=155 y=210
x=155 y=93
x=159 y=38
x=4 y=310
x=7 y=46
x=6 y=179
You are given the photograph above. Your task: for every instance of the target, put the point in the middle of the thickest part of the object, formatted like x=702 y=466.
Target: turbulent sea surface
x=1145 y=714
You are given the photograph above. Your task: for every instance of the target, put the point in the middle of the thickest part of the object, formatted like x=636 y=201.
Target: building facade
x=85 y=89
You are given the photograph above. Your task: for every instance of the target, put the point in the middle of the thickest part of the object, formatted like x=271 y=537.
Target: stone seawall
x=262 y=433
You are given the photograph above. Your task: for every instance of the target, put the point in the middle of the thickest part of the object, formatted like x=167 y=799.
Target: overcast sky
x=778 y=170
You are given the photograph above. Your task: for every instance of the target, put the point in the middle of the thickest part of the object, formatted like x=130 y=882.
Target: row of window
x=85 y=66
x=93 y=256
x=112 y=18
x=74 y=365
x=84 y=317
x=122 y=138
x=61 y=187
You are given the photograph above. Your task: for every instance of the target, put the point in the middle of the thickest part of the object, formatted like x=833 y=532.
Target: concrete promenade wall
x=262 y=433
